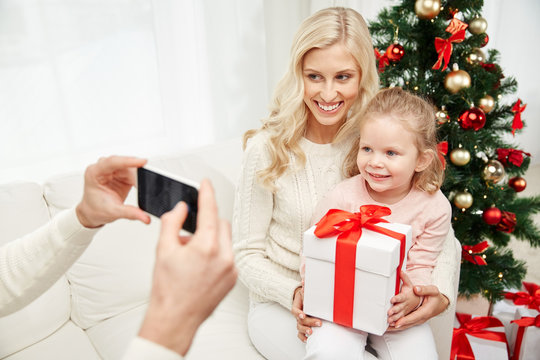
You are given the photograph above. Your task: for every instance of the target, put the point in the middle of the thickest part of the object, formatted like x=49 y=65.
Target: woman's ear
x=424 y=159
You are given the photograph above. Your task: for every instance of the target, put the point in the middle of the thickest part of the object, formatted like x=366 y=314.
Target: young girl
x=291 y=162
x=396 y=166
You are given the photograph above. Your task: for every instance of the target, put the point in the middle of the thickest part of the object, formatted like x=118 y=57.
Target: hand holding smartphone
x=159 y=193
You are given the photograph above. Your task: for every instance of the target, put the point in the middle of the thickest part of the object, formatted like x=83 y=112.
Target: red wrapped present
x=526 y=335
x=353 y=261
x=480 y=337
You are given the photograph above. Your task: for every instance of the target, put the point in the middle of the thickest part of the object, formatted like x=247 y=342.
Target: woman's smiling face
x=331 y=82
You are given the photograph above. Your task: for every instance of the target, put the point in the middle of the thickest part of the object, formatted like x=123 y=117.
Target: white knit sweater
x=268 y=227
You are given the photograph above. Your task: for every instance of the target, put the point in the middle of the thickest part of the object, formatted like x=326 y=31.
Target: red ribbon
x=442 y=148
x=474 y=327
x=348 y=228
x=469 y=253
x=523 y=324
x=531 y=297
x=512 y=156
x=383 y=60
x=517 y=109
x=444 y=48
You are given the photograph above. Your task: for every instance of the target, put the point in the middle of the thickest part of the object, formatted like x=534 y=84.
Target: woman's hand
x=304 y=323
x=434 y=304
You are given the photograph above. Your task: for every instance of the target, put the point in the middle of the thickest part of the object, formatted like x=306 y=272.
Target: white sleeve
x=253 y=211
x=444 y=273
x=33 y=263
x=143 y=349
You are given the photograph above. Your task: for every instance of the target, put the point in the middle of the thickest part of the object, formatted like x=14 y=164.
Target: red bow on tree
x=456 y=25
x=517 y=109
x=444 y=48
x=442 y=148
x=470 y=253
x=507 y=223
x=523 y=323
x=512 y=156
x=383 y=60
x=474 y=327
x=531 y=297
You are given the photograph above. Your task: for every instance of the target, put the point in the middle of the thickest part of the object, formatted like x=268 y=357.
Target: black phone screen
x=158 y=194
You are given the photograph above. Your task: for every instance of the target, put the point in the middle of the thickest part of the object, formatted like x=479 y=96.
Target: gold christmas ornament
x=486 y=103
x=463 y=200
x=478 y=26
x=457 y=80
x=460 y=157
x=442 y=116
x=427 y=9
x=493 y=171
x=476 y=56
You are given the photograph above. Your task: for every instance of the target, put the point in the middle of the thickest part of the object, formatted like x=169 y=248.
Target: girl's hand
x=404 y=302
x=434 y=304
x=304 y=323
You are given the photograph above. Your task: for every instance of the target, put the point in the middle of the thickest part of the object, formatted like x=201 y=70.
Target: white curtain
x=81 y=79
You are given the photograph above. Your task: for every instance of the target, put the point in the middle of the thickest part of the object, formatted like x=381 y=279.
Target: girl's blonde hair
x=417 y=116
x=288 y=112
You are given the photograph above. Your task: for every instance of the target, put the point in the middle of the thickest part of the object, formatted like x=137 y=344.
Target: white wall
x=81 y=79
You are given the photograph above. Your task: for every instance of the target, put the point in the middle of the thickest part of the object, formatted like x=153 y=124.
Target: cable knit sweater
x=268 y=227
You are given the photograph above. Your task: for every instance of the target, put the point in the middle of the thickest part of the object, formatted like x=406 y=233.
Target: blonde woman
x=294 y=159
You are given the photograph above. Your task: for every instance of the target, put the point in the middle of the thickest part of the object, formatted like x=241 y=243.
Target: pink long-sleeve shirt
x=428 y=214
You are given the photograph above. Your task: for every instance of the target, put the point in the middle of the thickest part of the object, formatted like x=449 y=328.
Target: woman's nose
x=328 y=93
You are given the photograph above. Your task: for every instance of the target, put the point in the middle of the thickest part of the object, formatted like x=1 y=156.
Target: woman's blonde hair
x=288 y=113
x=417 y=116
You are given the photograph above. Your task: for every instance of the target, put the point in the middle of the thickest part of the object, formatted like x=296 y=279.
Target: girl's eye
x=366 y=149
x=391 y=153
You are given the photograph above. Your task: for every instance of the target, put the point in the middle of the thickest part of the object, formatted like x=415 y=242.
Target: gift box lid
x=375 y=253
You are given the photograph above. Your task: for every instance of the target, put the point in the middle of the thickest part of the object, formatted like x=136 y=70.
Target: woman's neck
x=320 y=134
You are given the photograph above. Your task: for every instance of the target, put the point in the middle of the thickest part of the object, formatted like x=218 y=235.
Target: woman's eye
x=314 y=77
x=343 y=77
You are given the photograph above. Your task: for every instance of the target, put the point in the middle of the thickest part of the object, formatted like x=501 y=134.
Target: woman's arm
x=253 y=212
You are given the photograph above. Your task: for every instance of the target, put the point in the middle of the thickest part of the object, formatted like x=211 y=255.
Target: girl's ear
x=424 y=159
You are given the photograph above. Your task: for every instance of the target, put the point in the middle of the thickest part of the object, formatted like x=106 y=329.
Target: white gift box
x=377 y=259
x=505 y=311
x=530 y=344
x=484 y=348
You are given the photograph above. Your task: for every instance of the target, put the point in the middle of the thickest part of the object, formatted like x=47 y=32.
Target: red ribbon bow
x=444 y=48
x=517 y=109
x=383 y=60
x=512 y=156
x=523 y=323
x=531 y=297
x=470 y=253
x=474 y=327
x=442 y=148
x=348 y=228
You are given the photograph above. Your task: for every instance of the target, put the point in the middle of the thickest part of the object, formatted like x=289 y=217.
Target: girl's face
x=331 y=80
x=388 y=158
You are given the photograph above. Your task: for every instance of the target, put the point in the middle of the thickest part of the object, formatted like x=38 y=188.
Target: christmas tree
x=435 y=50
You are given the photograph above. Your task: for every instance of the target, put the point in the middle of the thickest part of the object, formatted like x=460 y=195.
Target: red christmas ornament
x=486 y=40
x=474 y=118
x=517 y=183
x=492 y=215
x=517 y=123
x=395 y=52
x=508 y=222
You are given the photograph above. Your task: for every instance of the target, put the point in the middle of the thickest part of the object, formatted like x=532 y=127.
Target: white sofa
x=96 y=308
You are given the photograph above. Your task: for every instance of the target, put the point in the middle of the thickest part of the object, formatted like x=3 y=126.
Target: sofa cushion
x=23 y=210
x=67 y=343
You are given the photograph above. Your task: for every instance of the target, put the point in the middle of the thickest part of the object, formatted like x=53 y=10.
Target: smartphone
x=159 y=193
